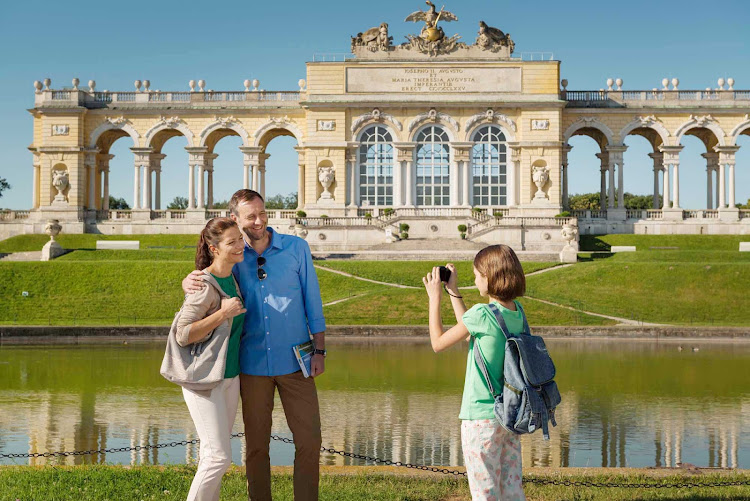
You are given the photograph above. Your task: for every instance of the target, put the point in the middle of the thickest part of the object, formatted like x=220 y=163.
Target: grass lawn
x=25 y=243
x=652 y=291
x=411 y=272
x=645 y=242
x=97 y=483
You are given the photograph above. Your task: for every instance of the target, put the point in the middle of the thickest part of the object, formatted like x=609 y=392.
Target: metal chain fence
x=434 y=469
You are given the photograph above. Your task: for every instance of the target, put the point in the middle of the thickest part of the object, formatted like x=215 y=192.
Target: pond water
x=625 y=403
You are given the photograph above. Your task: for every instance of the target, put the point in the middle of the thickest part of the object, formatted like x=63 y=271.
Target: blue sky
x=170 y=42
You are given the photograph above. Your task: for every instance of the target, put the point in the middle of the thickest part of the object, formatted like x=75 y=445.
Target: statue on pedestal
x=52 y=249
x=61 y=181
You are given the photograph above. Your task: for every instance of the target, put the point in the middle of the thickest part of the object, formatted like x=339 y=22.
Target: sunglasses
x=261 y=272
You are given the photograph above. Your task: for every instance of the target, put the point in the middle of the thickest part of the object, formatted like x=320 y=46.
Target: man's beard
x=253 y=234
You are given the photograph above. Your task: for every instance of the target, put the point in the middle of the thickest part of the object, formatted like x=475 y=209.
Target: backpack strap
x=500 y=320
x=479 y=359
x=526 y=328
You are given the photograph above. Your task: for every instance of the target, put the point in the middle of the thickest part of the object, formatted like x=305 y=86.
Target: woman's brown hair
x=210 y=235
x=505 y=277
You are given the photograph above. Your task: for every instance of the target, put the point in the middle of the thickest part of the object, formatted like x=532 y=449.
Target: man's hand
x=317 y=365
x=193 y=282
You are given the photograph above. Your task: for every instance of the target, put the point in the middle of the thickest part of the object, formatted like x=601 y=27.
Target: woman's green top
x=233 y=350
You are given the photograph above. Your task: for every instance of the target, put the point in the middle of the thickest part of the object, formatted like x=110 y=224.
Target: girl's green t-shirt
x=233 y=350
x=477 y=401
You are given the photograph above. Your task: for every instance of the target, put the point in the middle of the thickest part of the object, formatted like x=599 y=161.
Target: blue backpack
x=529 y=395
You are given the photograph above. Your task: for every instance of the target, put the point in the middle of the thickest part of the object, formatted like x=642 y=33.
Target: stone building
x=432 y=133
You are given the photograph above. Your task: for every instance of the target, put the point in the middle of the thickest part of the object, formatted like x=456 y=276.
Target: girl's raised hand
x=433 y=284
x=452 y=284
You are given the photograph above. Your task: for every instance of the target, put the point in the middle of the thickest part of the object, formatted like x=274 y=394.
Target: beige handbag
x=200 y=365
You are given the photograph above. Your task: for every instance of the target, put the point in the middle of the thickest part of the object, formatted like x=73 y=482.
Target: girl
x=213 y=411
x=492 y=455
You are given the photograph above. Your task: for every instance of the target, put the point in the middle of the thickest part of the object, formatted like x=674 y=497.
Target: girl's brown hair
x=505 y=277
x=210 y=235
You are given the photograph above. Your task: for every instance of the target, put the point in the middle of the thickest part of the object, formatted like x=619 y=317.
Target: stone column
x=210 y=157
x=105 y=193
x=197 y=162
x=142 y=162
x=201 y=186
x=300 y=177
x=665 y=188
x=726 y=161
x=157 y=189
x=137 y=187
x=155 y=167
x=352 y=171
x=658 y=158
x=254 y=179
x=461 y=156
x=616 y=154
x=405 y=157
x=712 y=160
x=35 y=190
x=604 y=158
x=564 y=165
x=191 y=187
x=90 y=163
x=676 y=184
x=513 y=171
x=262 y=170
x=453 y=177
x=249 y=163
x=672 y=159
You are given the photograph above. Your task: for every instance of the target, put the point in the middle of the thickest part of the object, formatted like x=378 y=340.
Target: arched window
x=489 y=167
x=433 y=164
x=376 y=167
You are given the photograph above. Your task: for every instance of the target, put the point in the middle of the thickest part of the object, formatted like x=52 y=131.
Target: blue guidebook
x=303 y=352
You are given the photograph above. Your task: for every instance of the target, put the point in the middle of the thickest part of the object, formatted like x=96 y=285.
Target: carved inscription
x=435 y=80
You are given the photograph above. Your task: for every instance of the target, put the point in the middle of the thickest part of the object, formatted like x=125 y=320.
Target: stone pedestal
x=51 y=250
x=729 y=215
x=672 y=214
x=617 y=214
x=569 y=254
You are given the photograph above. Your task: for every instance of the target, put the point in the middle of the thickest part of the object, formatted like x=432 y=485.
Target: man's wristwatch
x=319 y=352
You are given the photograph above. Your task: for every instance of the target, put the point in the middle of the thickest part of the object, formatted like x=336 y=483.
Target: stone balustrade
x=157 y=99
x=641 y=98
x=13 y=215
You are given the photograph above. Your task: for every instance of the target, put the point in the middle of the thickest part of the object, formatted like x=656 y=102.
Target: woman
x=213 y=411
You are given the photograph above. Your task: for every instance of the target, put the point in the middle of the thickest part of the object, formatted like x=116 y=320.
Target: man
x=282 y=298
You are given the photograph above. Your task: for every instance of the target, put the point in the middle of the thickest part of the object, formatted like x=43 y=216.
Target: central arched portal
x=280 y=169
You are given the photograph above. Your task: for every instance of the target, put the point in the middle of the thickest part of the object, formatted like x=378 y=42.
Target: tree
x=590 y=201
x=223 y=205
x=282 y=202
x=4 y=185
x=118 y=203
x=179 y=203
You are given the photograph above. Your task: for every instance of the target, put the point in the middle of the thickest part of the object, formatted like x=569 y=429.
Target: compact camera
x=445 y=274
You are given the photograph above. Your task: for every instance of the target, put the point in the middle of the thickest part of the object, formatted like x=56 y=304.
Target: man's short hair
x=242 y=196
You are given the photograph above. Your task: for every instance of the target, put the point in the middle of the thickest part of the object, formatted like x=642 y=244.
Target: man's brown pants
x=300 y=401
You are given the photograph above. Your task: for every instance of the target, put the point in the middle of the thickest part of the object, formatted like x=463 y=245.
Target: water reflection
x=624 y=404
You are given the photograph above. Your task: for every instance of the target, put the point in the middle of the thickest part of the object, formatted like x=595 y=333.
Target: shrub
x=368 y=215
x=477 y=210
x=403 y=227
x=301 y=213
x=324 y=216
x=388 y=212
x=404 y=235
x=497 y=213
x=564 y=213
x=462 y=228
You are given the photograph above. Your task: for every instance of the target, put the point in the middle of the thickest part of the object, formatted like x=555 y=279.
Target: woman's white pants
x=213 y=414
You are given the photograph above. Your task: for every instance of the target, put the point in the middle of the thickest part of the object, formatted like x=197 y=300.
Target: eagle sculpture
x=431 y=16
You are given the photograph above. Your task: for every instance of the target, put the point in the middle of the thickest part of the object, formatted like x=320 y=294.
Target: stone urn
x=61 y=181
x=326 y=176
x=52 y=249
x=300 y=231
x=540 y=176
x=569 y=253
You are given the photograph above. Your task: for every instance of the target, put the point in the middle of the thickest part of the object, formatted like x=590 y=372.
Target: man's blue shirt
x=282 y=310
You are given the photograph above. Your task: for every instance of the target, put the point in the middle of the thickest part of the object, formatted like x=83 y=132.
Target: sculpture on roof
x=493 y=39
x=375 y=38
x=432 y=39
